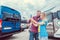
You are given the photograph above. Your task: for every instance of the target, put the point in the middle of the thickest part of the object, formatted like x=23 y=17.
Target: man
x=34 y=29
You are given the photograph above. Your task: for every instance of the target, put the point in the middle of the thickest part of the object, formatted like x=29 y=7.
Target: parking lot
x=22 y=36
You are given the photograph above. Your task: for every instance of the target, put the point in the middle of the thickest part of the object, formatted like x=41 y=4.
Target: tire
x=10 y=35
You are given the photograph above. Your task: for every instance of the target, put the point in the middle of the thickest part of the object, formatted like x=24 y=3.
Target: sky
x=29 y=7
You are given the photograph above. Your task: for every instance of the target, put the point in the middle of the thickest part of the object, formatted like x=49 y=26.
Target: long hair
x=44 y=14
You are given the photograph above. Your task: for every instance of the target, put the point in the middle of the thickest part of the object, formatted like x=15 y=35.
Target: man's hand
x=33 y=21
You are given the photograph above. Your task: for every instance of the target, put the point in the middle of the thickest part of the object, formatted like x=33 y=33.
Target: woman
x=43 y=35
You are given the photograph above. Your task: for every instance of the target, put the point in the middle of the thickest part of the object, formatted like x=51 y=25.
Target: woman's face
x=42 y=16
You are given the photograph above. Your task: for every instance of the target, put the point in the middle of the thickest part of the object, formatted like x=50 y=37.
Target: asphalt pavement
x=21 y=36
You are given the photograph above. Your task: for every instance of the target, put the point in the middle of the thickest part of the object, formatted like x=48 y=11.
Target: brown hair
x=38 y=11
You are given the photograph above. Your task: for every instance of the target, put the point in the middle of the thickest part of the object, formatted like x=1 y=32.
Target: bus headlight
x=58 y=23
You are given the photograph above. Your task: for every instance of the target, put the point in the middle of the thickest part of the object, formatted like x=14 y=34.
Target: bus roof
x=9 y=10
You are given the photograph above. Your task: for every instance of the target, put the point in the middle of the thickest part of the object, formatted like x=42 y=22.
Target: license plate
x=7 y=28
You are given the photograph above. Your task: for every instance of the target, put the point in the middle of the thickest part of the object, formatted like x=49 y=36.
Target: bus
x=10 y=21
x=57 y=25
x=53 y=27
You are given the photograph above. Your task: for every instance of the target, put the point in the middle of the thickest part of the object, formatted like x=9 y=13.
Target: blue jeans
x=33 y=36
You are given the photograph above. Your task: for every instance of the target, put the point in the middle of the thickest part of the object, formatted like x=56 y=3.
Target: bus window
x=58 y=14
x=49 y=16
x=55 y=15
x=7 y=15
x=17 y=16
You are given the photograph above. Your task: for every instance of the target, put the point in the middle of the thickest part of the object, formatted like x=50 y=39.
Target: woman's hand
x=41 y=23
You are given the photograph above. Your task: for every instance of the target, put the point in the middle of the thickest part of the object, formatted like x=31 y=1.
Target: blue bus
x=10 y=21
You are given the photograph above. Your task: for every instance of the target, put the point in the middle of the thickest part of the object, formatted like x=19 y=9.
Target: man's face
x=38 y=14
